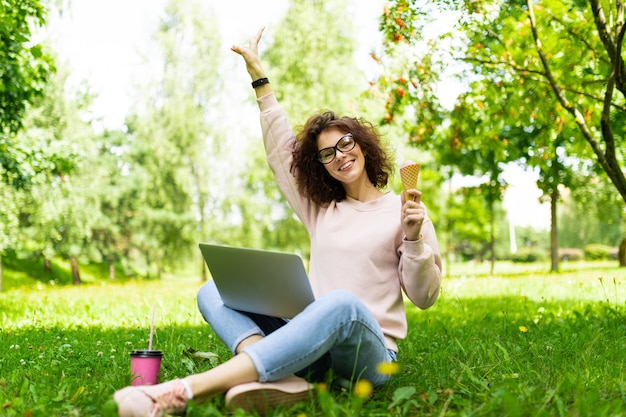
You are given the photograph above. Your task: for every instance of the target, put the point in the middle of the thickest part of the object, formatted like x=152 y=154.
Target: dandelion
x=523 y=329
x=322 y=387
x=363 y=388
x=388 y=368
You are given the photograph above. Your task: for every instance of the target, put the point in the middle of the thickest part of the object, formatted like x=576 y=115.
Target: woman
x=367 y=248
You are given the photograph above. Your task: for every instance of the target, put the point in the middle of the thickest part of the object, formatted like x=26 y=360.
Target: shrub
x=529 y=255
x=571 y=254
x=597 y=251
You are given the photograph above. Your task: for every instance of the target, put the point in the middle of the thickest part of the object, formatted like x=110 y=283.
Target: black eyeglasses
x=345 y=144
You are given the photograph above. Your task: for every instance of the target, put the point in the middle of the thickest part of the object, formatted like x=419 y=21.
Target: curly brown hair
x=312 y=178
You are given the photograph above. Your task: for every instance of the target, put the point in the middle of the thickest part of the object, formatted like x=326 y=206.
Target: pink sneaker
x=261 y=397
x=152 y=400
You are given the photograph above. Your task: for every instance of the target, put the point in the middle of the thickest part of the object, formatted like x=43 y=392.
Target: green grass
x=524 y=343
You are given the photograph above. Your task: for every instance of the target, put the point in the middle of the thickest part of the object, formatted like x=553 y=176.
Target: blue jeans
x=337 y=331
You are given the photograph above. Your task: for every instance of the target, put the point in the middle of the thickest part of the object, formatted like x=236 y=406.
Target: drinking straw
x=151 y=327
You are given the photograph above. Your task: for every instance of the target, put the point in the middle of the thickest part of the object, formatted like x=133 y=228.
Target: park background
x=130 y=133
x=145 y=140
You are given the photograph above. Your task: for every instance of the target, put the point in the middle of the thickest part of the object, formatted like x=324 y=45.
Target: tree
x=115 y=197
x=169 y=154
x=573 y=80
x=59 y=205
x=330 y=80
x=471 y=219
x=591 y=214
x=25 y=68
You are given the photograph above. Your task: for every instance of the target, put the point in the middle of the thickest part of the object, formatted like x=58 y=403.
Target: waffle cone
x=409 y=174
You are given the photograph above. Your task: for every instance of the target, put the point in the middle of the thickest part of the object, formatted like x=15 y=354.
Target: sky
x=106 y=43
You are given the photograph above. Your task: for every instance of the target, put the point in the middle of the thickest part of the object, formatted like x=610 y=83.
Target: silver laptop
x=259 y=281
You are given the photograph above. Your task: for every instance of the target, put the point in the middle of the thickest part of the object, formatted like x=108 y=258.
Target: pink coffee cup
x=145 y=366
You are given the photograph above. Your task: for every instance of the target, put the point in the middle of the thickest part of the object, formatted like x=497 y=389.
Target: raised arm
x=278 y=135
x=250 y=54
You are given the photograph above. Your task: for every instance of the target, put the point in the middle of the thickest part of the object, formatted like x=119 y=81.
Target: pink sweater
x=354 y=245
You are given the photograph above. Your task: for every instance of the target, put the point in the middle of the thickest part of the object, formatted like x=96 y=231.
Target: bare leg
x=237 y=370
x=247 y=342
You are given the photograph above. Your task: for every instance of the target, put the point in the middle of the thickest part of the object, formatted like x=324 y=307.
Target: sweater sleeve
x=420 y=267
x=279 y=139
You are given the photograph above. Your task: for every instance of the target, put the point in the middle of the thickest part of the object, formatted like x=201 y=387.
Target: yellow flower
x=322 y=387
x=363 y=388
x=388 y=368
x=523 y=329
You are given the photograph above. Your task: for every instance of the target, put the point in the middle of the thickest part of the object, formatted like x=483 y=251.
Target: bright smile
x=346 y=166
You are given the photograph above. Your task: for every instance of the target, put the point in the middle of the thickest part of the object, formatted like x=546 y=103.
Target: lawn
x=522 y=343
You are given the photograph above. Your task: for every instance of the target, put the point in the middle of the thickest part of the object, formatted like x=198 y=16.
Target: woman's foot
x=261 y=397
x=152 y=400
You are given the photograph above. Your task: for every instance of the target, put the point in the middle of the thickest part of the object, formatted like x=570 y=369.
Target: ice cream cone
x=409 y=173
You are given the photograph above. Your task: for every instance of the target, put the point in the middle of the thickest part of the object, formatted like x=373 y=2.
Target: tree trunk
x=621 y=253
x=111 y=270
x=554 y=234
x=47 y=267
x=75 y=273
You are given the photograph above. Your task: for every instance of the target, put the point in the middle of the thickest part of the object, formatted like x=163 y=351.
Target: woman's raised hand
x=250 y=54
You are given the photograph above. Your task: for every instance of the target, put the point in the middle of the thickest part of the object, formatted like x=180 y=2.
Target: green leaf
x=431 y=396
x=401 y=396
x=36 y=51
